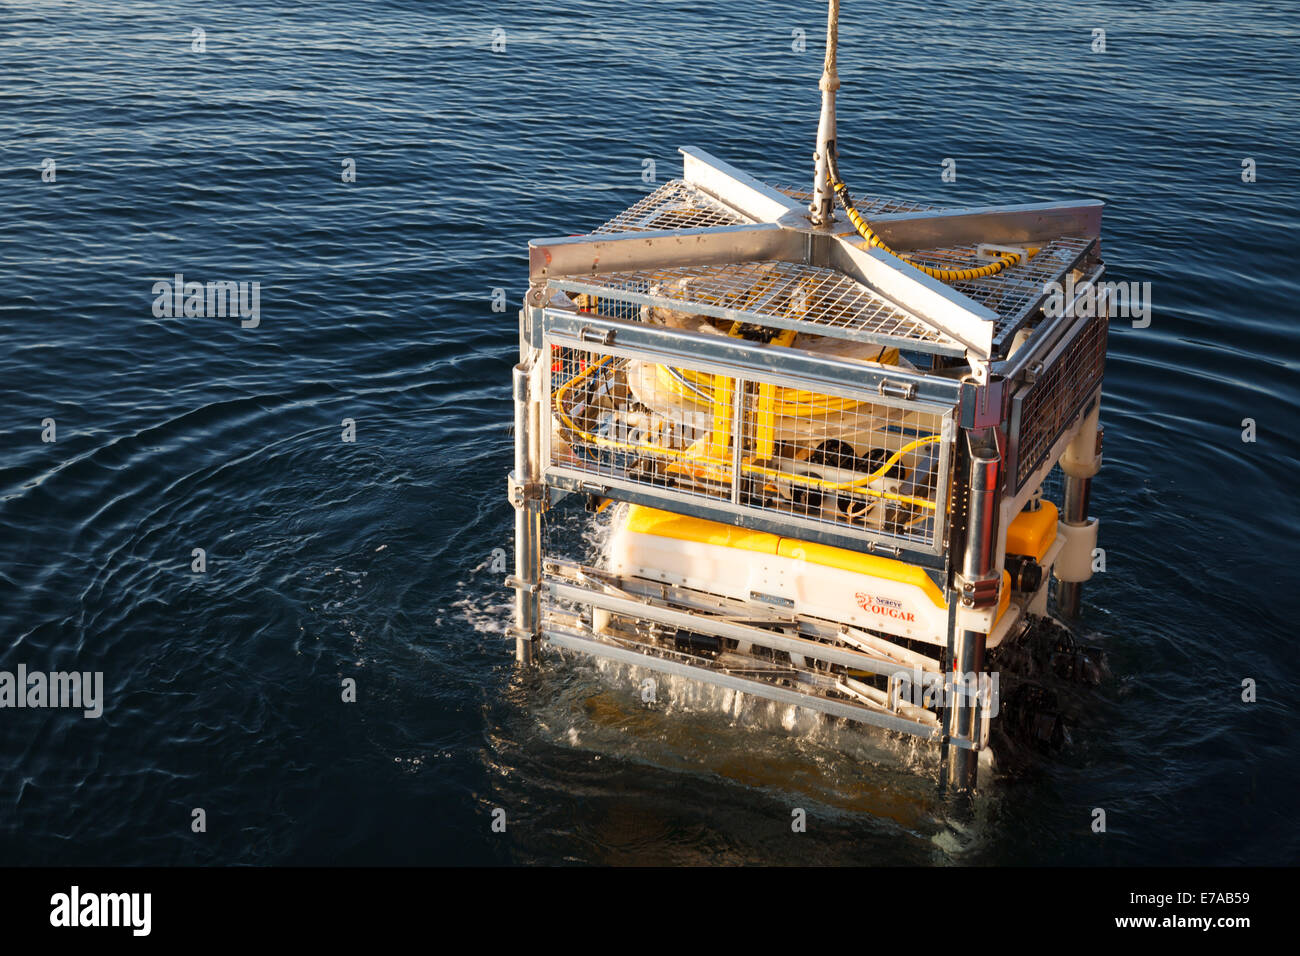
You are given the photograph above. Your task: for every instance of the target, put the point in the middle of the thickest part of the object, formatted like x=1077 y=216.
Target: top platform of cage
x=722 y=244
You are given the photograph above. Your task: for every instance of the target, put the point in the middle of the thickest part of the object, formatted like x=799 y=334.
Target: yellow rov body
x=864 y=591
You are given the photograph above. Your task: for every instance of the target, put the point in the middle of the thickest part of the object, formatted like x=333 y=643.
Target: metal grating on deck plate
x=785 y=295
x=674 y=205
x=777 y=294
x=1015 y=293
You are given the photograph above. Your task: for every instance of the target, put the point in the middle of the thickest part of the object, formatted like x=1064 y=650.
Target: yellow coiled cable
x=1004 y=260
x=858 y=485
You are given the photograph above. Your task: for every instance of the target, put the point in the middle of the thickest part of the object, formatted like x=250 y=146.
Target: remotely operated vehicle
x=827 y=426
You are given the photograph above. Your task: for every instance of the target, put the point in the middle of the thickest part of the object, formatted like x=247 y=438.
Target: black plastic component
x=1040 y=697
x=1026 y=573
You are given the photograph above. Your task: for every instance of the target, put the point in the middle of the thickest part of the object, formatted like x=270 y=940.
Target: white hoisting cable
x=829 y=186
x=822 y=209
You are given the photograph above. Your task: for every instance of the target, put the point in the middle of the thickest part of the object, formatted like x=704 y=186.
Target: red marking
x=869 y=603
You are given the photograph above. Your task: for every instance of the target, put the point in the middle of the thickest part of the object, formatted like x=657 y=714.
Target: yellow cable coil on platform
x=1004 y=260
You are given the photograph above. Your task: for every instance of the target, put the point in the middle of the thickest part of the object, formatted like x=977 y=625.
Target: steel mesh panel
x=674 y=205
x=838 y=460
x=842 y=307
x=1014 y=293
x=608 y=306
x=1058 y=395
x=771 y=293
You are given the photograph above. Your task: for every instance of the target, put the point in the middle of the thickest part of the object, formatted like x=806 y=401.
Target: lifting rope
x=828 y=173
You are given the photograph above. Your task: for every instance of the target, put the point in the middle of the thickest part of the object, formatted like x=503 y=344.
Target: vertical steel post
x=1074 y=511
x=526 y=492
x=737 y=440
x=1081 y=461
x=978 y=566
x=822 y=209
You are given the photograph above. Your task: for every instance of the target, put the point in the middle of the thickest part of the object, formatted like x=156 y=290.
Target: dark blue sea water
x=372 y=560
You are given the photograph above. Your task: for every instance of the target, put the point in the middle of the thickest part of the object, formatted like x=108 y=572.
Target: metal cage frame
x=1025 y=392
x=741 y=363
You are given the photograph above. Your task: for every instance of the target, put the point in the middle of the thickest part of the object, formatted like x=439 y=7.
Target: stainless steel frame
x=1008 y=384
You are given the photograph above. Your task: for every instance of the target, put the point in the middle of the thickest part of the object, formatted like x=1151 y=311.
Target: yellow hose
x=857 y=486
x=790 y=401
x=1004 y=260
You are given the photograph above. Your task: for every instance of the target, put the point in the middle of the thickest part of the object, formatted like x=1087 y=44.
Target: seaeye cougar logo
x=885 y=607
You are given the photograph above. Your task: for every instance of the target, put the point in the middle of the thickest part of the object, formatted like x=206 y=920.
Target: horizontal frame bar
x=717 y=509
x=1025 y=222
x=693 y=600
x=704 y=624
x=802 y=369
x=661 y=249
x=570 y=640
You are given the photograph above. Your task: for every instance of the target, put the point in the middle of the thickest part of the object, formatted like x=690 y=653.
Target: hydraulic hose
x=841 y=190
x=857 y=485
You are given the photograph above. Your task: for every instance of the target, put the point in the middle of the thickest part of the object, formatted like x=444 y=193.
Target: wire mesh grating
x=674 y=205
x=771 y=293
x=1014 y=293
x=849 y=461
x=1060 y=392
